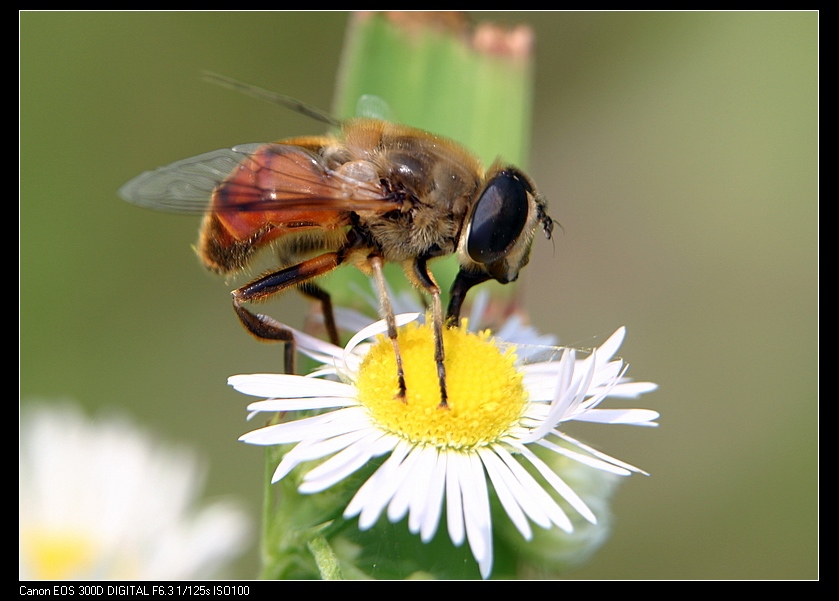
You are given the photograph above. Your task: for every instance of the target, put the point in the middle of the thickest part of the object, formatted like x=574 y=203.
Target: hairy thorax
x=433 y=180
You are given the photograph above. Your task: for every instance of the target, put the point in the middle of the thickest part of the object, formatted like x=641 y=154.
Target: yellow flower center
x=486 y=395
x=58 y=555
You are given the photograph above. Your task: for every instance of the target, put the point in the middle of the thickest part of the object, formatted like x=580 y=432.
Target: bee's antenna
x=272 y=97
x=545 y=219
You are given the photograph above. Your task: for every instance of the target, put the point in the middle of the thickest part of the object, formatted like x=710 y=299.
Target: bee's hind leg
x=266 y=328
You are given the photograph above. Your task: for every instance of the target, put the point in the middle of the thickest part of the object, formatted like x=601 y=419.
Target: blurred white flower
x=101 y=499
x=448 y=455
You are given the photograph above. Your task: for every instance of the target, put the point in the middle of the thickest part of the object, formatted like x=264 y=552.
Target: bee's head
x=499 y=234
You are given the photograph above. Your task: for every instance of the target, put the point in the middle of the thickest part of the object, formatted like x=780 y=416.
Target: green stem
x=325 y=558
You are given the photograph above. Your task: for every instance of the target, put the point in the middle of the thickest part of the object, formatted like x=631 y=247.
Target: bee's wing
x=250 y=178
x=185 y=186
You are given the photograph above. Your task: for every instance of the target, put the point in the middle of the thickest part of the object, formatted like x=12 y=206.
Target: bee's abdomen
x=219 y=250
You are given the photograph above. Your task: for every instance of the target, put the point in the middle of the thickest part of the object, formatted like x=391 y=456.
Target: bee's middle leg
x=319 y=294
x=426 y=280
x=266 y=328
x=377 y=266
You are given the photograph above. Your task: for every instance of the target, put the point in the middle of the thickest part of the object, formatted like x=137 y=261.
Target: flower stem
x=325 y=558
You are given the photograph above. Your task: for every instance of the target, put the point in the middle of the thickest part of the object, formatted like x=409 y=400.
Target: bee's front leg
x=461 y=285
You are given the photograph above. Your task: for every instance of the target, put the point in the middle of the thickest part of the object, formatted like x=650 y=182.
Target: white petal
x=323 y=371
x=421 y=495
x=408 y=486
x=536 y=502
x=582 y=383
x=565 y=491
x=318 y=426
x=603 y=373
x=597 y=392
x=378 y=327
x=599 y=454
x=300 y=454
x=433 y=506
x=476 y=510
x=499 y=475
x=328 y=360
x=318 y=349
x=346 y=462
x=301 y=404
x=541 y=368
x=608 y=349
x=312 y=449
x=564 y=394
x=454 y=505
x=632 y=389
x=540 y=387
x=564 y=397
x=374 y=495
x=288 y=386
x=584 y=459
x=637 y=417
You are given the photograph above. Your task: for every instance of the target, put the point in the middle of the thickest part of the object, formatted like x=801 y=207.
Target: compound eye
x=498 y=218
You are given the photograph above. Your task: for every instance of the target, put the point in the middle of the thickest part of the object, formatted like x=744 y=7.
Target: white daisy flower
x=499 y=407
x=100 y=499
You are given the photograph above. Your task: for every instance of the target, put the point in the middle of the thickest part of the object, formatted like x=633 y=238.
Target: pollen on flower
x=486 y=391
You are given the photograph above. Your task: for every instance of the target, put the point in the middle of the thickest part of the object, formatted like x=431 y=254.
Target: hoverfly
x=373 y=193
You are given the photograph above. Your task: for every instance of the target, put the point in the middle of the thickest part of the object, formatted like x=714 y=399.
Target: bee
x=375 y=192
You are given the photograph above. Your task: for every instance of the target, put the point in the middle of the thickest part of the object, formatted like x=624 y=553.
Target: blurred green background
x=678 y=150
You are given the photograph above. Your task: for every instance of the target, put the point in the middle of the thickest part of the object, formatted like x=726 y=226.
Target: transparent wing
x=253 y=178
x=185 y=186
